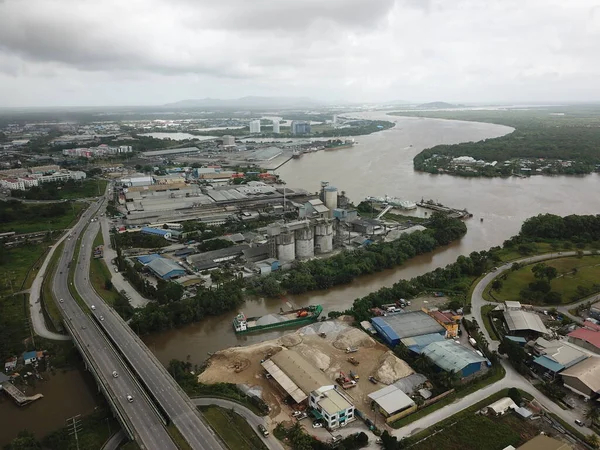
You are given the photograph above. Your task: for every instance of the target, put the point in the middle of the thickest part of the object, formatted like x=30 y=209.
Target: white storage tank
x=305 y=243
x=324 y=238
x=286 y=246
x=331 y=197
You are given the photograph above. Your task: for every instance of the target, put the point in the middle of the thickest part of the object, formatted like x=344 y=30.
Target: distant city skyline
x=153 y=52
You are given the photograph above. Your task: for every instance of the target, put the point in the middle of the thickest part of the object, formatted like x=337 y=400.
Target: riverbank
x=545 y=141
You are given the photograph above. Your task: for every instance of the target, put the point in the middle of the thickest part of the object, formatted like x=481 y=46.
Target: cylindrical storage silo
x=286 y=246
x=323 y=238
x=305 y=243
x=331 y=197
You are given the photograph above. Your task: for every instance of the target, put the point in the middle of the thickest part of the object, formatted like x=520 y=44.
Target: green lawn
x=47 y=296
x=99 y=274
x=27 y=225
x=509 y=254
x=566 y=283
x=232 y=429
x=85 y=189
x=177 y=437
x=15 y=264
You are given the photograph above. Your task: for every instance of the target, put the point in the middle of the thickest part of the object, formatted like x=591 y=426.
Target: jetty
x=19 y=397
x=451 y=212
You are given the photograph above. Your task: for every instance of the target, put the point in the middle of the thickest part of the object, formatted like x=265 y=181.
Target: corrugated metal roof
x=547 y=363
x=522 y=320
x=391 y=399
x=592 y=337
x=284 y=381
x=415 y=323
x=334 y=402
x=145 y=259
x=450 y=356
x=418 y=343
x=307 y=377
x=588 y=372
x=156 y=231
x=163 y=266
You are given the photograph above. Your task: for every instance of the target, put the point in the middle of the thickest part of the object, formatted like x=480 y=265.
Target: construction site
x=347 y=360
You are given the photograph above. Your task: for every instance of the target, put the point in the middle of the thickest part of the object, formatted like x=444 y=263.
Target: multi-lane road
x=159 y=384
x=139 y=414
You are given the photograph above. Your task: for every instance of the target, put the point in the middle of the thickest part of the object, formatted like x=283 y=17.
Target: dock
x=19 y=397
x=451 y=212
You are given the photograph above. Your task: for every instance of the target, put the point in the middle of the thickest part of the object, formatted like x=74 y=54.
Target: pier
x=451 y=212
x=18 y=396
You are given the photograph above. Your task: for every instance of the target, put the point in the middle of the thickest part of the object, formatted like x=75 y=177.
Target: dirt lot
x=241 y=365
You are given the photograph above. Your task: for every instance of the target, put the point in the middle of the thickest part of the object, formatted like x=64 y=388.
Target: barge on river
x=302 y=316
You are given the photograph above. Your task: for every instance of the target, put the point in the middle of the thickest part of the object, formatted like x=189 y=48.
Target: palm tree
x=593 y=413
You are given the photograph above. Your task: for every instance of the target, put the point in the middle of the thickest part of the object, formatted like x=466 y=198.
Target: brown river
x=380 y=164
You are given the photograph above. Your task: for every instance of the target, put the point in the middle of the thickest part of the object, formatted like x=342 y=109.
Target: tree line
x=349 y=264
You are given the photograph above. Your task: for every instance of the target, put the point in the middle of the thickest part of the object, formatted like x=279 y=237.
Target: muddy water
x=66 y=394
x=382 y=164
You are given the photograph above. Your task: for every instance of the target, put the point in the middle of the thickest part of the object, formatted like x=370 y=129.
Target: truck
x=351 y=349
x=372 y=380
x=354 y=376
x=473 y=342
x=352 y=360
x=344 y=381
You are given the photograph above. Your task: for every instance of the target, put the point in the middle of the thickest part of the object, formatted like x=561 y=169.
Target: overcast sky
x=139 y=52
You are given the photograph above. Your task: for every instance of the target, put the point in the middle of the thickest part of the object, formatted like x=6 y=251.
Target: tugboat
x=296 y=154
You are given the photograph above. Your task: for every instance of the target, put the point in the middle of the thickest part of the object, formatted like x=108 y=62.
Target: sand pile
x=353 y=337
x=328 y=327
x=316 y=357
x=290 y=340
x=391 y=369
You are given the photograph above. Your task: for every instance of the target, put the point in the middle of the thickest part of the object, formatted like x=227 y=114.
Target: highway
x=156 y=379
x=140 y=414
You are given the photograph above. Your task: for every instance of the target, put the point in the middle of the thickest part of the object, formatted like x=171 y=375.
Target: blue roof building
x=394 y=327
x=416 y=344
x=517 y=339
x=167 y=234
x=165 y=268
x=29 y=357
x=449 y=356
x=145 y=259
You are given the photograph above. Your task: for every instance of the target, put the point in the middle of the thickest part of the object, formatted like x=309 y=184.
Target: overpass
x=139 y=418
x=121 y=346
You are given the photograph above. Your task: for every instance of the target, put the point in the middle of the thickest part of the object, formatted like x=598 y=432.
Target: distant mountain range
x=439 y=105
x=247 y=102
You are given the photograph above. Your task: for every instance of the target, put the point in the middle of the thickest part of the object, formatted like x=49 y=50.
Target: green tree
x=497 y=284
x=515 y=395
x=25 y=440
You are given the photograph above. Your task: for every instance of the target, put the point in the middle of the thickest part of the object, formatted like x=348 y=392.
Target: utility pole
x=74 y=425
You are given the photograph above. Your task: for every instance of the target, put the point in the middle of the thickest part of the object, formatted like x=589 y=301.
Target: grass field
x=179 y=440
x=43 y=224
x=14 y=273
x=232 y=428
x=95 y=429
x=99 y=274
x=566 y=283
x=85 y=189
x=465 y=430
x=47 y=296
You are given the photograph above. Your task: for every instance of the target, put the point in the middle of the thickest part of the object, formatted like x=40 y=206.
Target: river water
x=66 y=394
x=381 y=164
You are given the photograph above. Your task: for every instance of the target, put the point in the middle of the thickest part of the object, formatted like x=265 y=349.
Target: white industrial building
x=255 y=126
x=332 y=406
x=135 y=181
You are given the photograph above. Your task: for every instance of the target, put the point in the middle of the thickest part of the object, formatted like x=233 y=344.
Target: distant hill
x=438 y=105
x=246 y=102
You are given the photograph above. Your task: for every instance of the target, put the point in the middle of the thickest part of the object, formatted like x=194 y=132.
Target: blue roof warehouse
x=165 y=268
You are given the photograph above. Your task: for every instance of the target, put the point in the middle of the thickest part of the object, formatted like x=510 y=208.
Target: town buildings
x=254 y=126
x=300 y=127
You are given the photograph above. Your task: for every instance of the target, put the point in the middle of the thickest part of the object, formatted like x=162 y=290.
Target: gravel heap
x=316 y=357
x=391 y=369
x=328 y=327
x=353 y=337
x=290 y=340
x=269 y=319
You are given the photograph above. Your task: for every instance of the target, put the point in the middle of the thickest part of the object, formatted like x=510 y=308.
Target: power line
x=74 y=425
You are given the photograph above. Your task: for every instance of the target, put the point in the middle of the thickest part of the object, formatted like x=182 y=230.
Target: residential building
x=332 y=406
x=448 y=319
x=586 y=338
x=595 y=311
x=394 y=327
x=10 y=364
x=254 y=126
x=276 y=126
x=452 y=357
x=300 y=127
x=555 y=356
x=393 y=403
x=29 y=357
x=166 y=269
x=583 y=378
x=296 y=377
x=543 y=442
x=16 y=184
x=500 y=407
